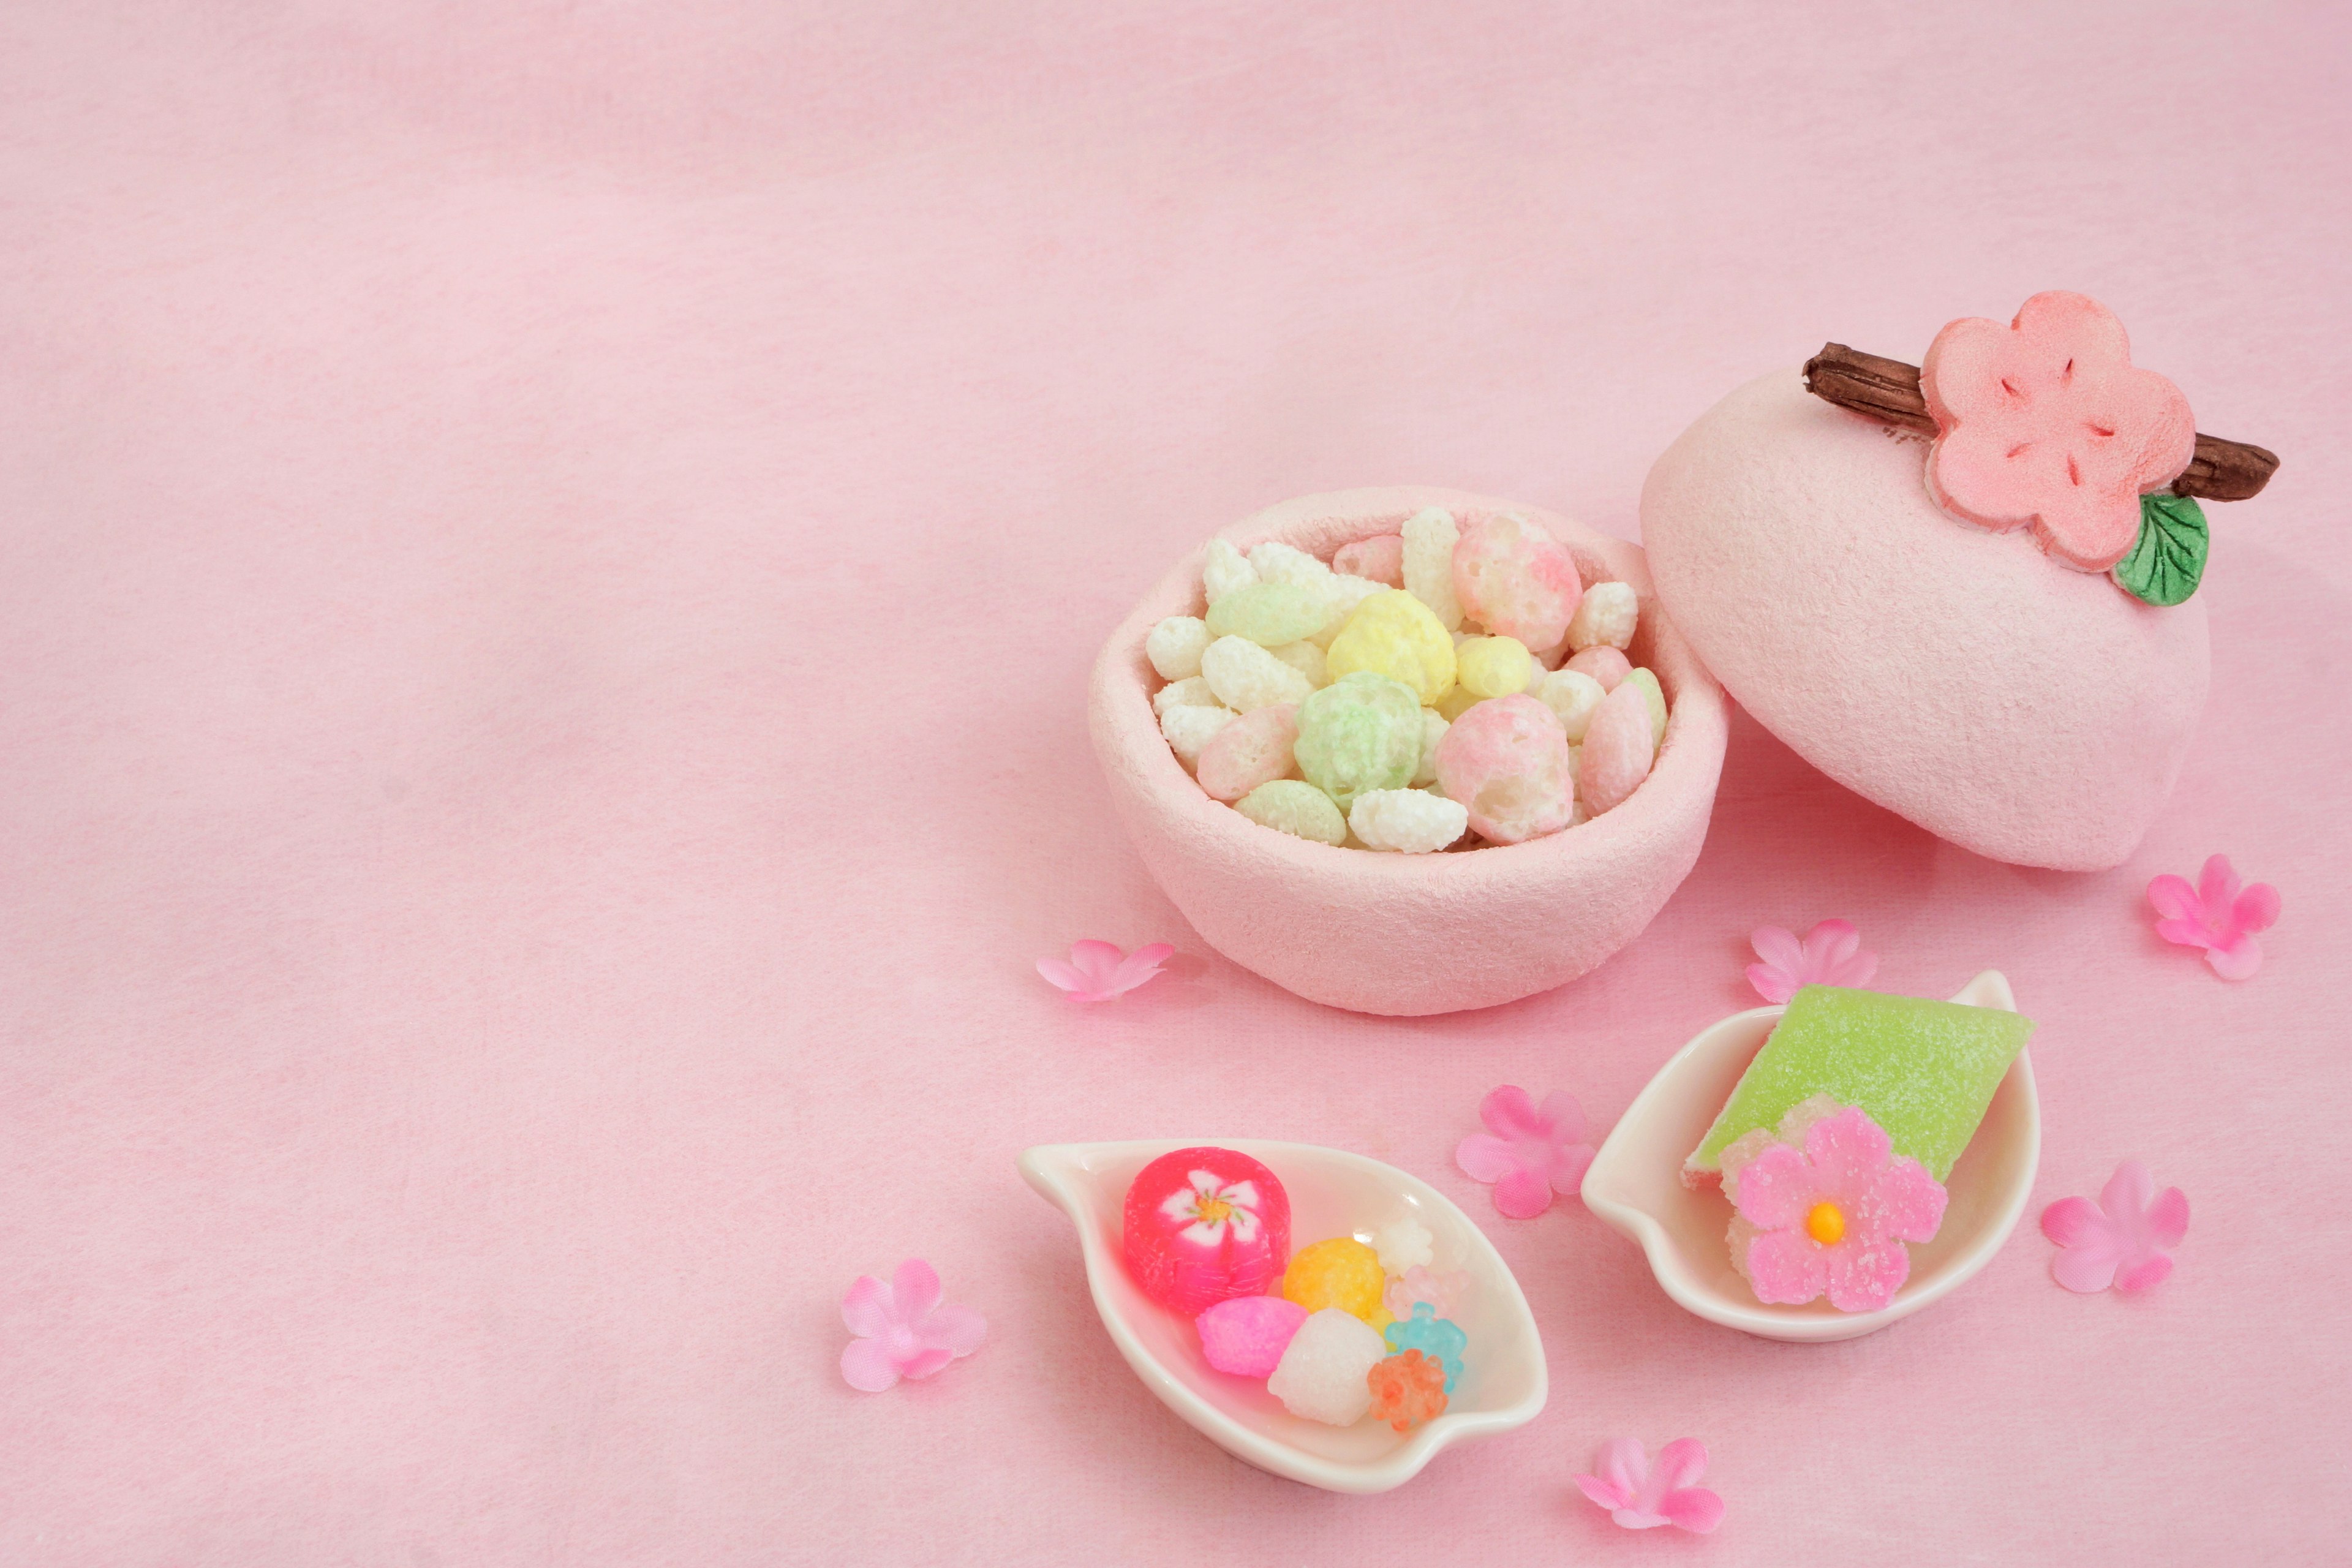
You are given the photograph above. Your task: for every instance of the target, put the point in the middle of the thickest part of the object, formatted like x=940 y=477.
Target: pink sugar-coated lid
x=1959 y=678
x=1410 y=934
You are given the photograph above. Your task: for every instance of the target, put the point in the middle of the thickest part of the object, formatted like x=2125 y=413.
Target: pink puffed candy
x=1517 y=580
x=1605 y=664
x=1253 y=749
x=1246 y=1335
x=1506 y=761
x=1379 y=558
x=1617 y=750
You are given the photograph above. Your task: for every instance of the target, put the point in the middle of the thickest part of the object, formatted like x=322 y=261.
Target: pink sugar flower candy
x=1832 y=1216
x=2122 y=1239
x=2046 y=422
x=1380 y=559
x=1098 y=972
x=1640 y=1495
x=903 y=1329
x=1831 y=954
x=2214 y=915
x=1528 y=1153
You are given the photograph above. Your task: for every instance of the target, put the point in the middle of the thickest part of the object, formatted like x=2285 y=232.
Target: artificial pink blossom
x=2122 y=1239
x=2214 y=915
x=1098 y=972
x=1831 y=954
x=1528 y=1153
x=1641 y=1495
x=903 y=1330
x=2046 y=422
x=1832 y=1216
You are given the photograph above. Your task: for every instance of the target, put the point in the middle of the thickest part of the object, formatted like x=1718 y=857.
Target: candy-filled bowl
x=1635 y=1186
x=1331 y=1192
x=1411 y=933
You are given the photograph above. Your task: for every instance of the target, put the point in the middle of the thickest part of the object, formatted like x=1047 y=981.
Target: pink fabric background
x=550 y=563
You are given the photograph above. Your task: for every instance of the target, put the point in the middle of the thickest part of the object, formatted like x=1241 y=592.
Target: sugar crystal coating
x=1205 y=1224
x=1604 y=664
x=1245 y=1335
x=1224 y=570
x=1380 y=558
x=1324 y=1370
x=1361 y=732
x=1408 y=821
x=1491 y=666
x=1176 y=645
x=1246 y=676
x=1403 y=1243
x=1605 y=617
x=1924 y=1071
x=1296 y=807
x=1618 y=749
x=1430 y=537
x=1253 y=749
x=1573 y=697
x=1269 y=613
x=1506 y=761
x=1341 y=1272
x=1515 y=580
x=1434 y=1337
x=1394 y=633
x=1407 y=1390
x=1188 y=728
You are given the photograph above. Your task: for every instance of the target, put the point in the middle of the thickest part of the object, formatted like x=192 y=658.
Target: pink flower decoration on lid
x=2214 y=915
x=2122 y=1239
x=902 y=1328
x=1832 y=1216
x=1528 y=1153
x=1640 y=1495
x=1831 y=954
x=1098 y=971
x=2046 y=422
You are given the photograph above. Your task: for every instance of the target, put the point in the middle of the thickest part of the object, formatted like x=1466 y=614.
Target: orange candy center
x=1826 y=1224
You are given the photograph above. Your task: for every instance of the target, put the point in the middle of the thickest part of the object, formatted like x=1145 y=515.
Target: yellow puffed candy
x=1491 y=666
x=1454 y=704
x=1393 y=633
x=1341 y=1272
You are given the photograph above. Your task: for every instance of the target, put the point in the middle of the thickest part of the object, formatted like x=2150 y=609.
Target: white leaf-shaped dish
x=1503 y=1382
x=1635 y=1186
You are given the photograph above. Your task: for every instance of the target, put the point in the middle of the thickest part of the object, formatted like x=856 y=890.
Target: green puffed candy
x=1289 y=805
x=1923 y=1070
x=1269 y=613
x=1360 y=733
x=1657 y=700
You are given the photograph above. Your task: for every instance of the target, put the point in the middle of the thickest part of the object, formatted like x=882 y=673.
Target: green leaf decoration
x=2168 y=559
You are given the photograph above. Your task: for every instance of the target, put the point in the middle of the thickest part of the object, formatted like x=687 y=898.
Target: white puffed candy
x=1571 y=694
x=1433 y=730
x=1411 y=821
x=1226 y=570
x=1189 y=692
x=1307 y=660
x=1606 y=613
x=1188 y=728
x=1430 y=537
x=1176 y=645
x=1345 y=593
x=1274 y=561
x=1247 y=678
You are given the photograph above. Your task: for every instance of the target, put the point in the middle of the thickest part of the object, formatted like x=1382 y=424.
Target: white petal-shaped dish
x=1503 y=1384
x=1635 y=1186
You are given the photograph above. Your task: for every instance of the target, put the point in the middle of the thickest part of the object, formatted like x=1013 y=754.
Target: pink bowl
x=1409 y=934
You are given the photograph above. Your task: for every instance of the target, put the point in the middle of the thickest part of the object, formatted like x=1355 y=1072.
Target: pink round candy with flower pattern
x=1517 y=580
x=1506 y=761
x=1204 y=1226
x=1605 y=664
x=1618 y=749
x=1380 y=559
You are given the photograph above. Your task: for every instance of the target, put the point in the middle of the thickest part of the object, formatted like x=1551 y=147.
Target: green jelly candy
x=1269 y=613
x=1298 y=809
x=1923 y=1070
x=1360 y=733
x=1657 y=700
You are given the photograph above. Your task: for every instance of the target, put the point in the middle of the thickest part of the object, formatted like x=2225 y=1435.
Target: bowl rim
x=1690 y=760
x=1990 y=988
x=1050 y=1169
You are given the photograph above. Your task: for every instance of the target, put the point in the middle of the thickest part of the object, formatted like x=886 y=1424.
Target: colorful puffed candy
x=1506 y=761
x=1618 y=747
x=1325 y=1370
x=1206 y=1225
x=1407 y=1390
x=1517 y=580
x=1395 y=635
x=1432 y=1336
x=1247 y=1334
x=1341 y=1272
x=1362 y=733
